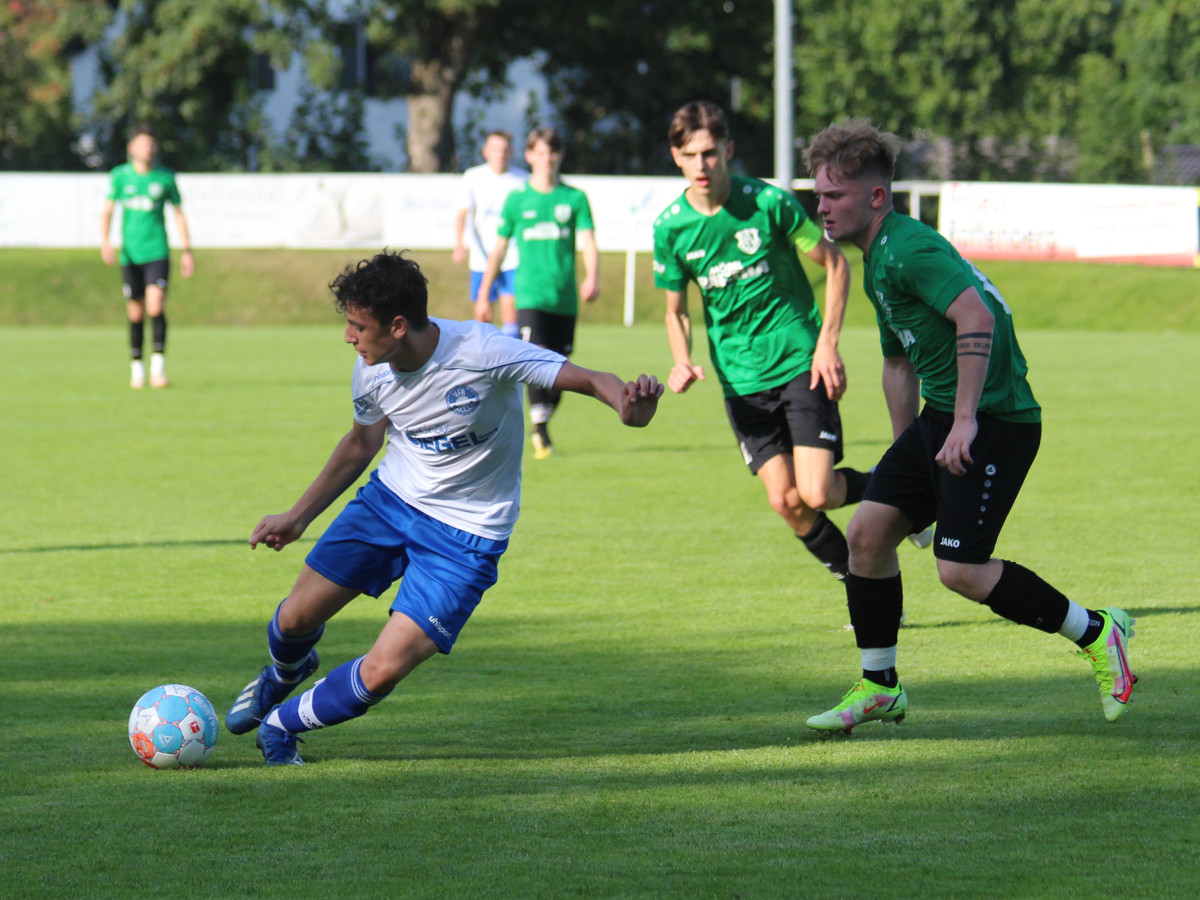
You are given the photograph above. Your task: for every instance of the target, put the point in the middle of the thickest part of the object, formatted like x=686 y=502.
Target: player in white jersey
x=436 y=514
x=481 y=197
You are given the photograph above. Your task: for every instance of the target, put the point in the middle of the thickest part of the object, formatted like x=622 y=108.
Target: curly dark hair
x=386 y=285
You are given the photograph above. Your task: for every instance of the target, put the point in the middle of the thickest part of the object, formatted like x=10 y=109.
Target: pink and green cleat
x=1109 y=657
x=865 y=702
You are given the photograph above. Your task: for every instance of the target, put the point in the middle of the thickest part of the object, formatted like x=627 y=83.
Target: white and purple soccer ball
x=173 y=726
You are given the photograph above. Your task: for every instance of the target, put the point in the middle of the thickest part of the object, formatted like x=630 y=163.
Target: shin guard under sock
x=826 y=542
x=875 y=608
x=1022 y=597
x=338 y=697
x=856 y=484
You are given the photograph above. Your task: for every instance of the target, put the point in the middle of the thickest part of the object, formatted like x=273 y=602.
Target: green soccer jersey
x=544 y=227
x=142 y=199
x=759 y=310
x=911 y=275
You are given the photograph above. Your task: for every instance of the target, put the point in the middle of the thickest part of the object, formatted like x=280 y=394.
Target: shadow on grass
x=547 y=701
x=135 y=545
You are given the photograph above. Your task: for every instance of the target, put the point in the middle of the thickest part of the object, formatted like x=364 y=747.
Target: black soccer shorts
x=969 y=509
x=774 y=421
x=137 y=275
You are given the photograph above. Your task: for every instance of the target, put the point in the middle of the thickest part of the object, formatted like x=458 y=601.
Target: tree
x=618 y=70
x=37 y=128
x=184 y=69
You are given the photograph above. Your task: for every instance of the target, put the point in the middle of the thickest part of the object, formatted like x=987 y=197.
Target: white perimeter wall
x=1159 y=225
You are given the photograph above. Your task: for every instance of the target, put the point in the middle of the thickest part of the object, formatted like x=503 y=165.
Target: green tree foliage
x=184 y=68
x=37 y=128
x=617 y=72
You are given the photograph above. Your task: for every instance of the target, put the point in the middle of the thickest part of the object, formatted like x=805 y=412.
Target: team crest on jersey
x=562 y=212
x=748 y=240
x=462 y=400
x=156 y=190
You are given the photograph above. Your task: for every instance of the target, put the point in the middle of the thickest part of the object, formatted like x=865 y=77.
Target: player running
x=946 y=335
x=436 y=514
x=774 y=354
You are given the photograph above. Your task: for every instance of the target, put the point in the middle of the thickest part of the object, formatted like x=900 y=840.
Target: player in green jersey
x=947 y=336
x=774 y=354
x=142 y=190
x=544 y=216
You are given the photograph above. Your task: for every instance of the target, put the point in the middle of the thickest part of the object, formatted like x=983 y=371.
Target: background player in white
x=436 y=514
x=481 y=197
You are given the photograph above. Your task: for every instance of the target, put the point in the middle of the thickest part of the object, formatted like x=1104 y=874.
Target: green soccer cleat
x=1109 y=657
x=865 y=702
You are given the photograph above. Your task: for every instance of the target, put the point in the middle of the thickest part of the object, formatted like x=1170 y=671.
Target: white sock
x=1076 y=622
x=158 y=364
x=876 y=659
x=539 y=413
x=136 y=369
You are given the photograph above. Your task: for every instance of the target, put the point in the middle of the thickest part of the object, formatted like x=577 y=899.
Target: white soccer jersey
x=456 y=429
x=482 y=194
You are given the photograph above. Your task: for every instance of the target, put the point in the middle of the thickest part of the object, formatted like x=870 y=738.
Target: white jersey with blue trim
x=456 y=429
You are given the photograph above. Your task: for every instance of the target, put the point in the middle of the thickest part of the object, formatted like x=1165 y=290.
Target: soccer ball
x=173 y=726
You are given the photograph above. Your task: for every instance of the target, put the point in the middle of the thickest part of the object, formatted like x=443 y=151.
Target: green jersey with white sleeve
x=759 y=310
x=911 y=275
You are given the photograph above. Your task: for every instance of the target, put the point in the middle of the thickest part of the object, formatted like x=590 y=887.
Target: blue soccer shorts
x=504 y=285
x=379 y=539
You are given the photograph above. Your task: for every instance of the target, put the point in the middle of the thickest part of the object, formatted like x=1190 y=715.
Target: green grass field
x=623 y=716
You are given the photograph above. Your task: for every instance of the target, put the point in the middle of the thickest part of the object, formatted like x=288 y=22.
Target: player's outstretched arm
x=634 y=401
x=348 y=461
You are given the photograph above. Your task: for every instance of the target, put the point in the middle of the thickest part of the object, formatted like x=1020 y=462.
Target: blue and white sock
x=288 y=652
x=338 y=697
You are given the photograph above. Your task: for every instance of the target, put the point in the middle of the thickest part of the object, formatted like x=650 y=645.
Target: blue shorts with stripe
x=379 y=539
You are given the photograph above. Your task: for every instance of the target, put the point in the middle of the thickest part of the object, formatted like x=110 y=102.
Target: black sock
x=826 y=542
x=856 y=484
x=1095 y=625
x=542 y=430
x=1022 y=597
x=875 y=608
x=158 y=326
x=882 y=677
x=137 y=337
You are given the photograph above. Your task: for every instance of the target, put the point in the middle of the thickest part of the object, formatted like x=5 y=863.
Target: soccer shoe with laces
x=865 y=702
x=278 y=746
x=1109 y=657
x=542 y=448
x=261 y=695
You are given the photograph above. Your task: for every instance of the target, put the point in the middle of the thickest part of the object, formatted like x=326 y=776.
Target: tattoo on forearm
x=975 y=343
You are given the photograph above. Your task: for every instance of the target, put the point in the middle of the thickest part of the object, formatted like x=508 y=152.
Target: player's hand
x=827 y=366
x=483 y=310
x=639 y=401
x=276 y=532
x=187 y=264
x=589 y=290
x=459 y=255
x=108 y=254
x=682 y=376
x=955 y=454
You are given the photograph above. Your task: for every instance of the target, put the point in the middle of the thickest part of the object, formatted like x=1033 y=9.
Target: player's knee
x=814 y=496
x=787 y=503
x=866 y=541
x=964 y=579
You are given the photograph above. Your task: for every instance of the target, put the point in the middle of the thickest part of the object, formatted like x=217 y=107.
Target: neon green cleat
x=1110 y=661
x=865 y=702
x=542 y=448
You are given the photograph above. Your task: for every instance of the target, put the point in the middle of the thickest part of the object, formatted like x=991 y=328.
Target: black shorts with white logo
x=137 y=275
x=546 y=329
x=969 y=509
x=776 y=420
